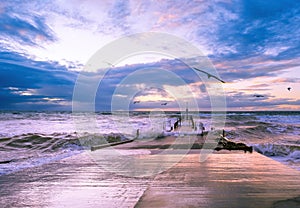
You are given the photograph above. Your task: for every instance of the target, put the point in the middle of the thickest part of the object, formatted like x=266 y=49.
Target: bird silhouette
x=110 y=64
x=258 y=96
x=210 y=75
x=289 y=88
x=137 y=101
x=164 y=104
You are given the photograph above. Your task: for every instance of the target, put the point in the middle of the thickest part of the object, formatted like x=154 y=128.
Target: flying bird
x=137 y=101
x=258 y=96
x=164 y=104
x=209 y=75
x=110 y=64
x=289 y=88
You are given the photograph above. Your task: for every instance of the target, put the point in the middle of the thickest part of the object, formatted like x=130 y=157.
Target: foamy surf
x=287 y=154
x=29 y=139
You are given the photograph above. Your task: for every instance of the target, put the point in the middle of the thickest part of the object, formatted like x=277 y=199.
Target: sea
x=29 y=139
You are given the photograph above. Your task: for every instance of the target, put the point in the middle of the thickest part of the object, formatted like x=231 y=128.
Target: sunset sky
x=254 y=46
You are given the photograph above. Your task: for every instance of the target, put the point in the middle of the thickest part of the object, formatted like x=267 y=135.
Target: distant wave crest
x=56 y=141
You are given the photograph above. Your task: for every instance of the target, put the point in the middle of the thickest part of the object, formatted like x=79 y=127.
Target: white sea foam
x=287 y=154
x=273 y=134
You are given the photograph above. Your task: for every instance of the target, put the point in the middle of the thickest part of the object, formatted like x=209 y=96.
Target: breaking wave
x=33 y=138
x=287 y=154
x=273 y=150
x=56 y=141
x=30 y=150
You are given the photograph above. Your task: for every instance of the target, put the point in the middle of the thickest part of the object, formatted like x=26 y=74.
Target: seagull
x=164 y=104
x=209 y=75
x=289 y=88
x=137 y=101
x=258 y=96
x=110 y=64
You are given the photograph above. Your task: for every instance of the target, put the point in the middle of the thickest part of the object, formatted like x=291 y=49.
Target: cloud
x=286 y=80
x=27 y=84
x=247 y=41
x=153 y=95
x=252 y=67
x=120 y=10
x=241 y=100
x=259 y=86
x=261 y=26
x=25 y=29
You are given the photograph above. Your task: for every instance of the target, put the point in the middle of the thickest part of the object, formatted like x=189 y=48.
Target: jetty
x=224 y=179
x=186 y=126
x=162 y=172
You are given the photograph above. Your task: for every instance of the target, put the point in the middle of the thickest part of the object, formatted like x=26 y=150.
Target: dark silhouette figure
x=258 y=96
x=176 y=124
x=209 y=75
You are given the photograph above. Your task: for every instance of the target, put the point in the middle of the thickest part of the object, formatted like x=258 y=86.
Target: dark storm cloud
x=24 y=82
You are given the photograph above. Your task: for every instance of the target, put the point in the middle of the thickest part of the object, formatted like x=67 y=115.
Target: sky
x=253 y=45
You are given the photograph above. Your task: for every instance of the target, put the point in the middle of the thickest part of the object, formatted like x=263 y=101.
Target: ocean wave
x=282 y=150
x=14 y=162
x=286 y=154
x=262 y=130
x=30 y=150
x=247 y=134
x=241 y=117
x=231 y=123
x=258 y=129
x=56 y=141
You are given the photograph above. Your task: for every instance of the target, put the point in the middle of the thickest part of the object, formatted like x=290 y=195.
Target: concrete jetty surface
x=225 y=179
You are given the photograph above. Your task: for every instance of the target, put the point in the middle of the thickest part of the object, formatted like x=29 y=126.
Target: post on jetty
x=184 y=123
x=189 y=118
x=186 y=111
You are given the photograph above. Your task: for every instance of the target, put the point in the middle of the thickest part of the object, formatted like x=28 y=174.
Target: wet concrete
x=152 y=178
x=225 y=179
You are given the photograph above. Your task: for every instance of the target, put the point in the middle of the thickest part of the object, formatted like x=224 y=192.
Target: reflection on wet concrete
x=225 y=179
x=73 y=182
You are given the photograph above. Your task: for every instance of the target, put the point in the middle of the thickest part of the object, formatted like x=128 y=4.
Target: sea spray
x=32 y=138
